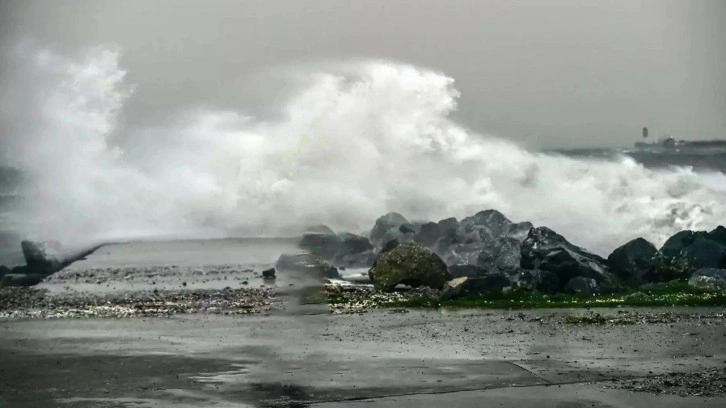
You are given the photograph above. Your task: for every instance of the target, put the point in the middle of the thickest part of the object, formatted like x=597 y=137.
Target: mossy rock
x=411 y=264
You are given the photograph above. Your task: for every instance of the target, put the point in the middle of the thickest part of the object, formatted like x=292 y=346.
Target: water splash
x=359 y=140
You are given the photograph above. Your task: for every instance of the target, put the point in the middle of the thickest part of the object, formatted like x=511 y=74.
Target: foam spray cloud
x=358 y=140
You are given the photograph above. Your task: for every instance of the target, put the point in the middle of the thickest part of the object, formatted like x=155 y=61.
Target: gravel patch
x=709 y=383
x=30 y=303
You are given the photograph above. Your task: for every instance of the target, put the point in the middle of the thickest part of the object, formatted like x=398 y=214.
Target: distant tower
x=645 y=133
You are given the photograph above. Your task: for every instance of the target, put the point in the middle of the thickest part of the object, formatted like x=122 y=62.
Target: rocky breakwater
x=487 y=254
x=42 y=259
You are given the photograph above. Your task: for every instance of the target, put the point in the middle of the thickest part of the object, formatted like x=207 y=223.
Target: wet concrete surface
x=293 y=359
x=299 y=355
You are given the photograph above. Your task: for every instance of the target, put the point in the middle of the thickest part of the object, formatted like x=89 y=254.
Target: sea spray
x=358 y=140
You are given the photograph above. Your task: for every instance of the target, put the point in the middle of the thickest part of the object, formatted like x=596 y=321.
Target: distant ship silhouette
x=671 y=142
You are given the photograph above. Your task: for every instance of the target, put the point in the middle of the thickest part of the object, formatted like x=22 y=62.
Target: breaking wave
x=356 y=141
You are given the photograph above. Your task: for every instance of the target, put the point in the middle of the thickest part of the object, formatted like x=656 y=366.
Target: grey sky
x=548 y=73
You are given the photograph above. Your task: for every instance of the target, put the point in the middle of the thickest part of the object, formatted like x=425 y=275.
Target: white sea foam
x=359 y=140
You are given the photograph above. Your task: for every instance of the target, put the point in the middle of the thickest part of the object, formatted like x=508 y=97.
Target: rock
x=581 y=285
x=431 y=234
x=487 y=239
x=324 y=245
x=319 y=229
x=709 y=278
x=519 y=230
x=466 y=271
x=501 y=255
x=22 y=279
x=547 y=282
x=488 y=284
x=391 y=226
x=632 y=261
x=546 y=250
x=309 y=263
x=4 y=270
x=353 y=251
x=454 y=288
x=387 y=247
x=542 y=281
x=484 y=224
x=666 y=269
x=269 y=273
x=43 y=257
x=410 y=264
x=719 y=234
x=700 y=248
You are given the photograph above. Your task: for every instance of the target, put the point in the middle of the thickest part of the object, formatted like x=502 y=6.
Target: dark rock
x=542 y=281
x=632 y=261
x=487 y=239
x=269 y=273
x=486 y=224
x=666 y=269
x=324 y=245
x=465 y=271
x=519 y=230
x=407 y=229
x=429 y=234
x=581 y=285
x=700 y=248
x=547 y=282
x=388 y=227
x=43 y=257
x=502 y=255
x=22 y=279
x=410 y=264
x=309 y=263
x=719 y=234
x=471 y=287
x=353 y=251
x=709 y=278
x=4 y=270
x=546 y=250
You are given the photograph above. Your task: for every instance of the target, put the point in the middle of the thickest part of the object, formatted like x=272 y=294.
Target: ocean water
x=351 y=142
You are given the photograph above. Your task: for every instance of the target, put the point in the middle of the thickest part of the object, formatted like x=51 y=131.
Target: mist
x=560 y=74
x=169 y=119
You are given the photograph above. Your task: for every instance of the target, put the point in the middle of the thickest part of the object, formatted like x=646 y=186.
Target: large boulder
x=392 y=226
x=43 y=257
x=354 y=251
x=709 y=278
x=489 y=284
x=487 y=239
x=308 y=263
x=700 y=248
x=546 y=250
x=632 y=261
x=410 y=264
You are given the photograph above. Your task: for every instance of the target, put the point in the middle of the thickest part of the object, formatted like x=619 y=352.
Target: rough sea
x=349 y=144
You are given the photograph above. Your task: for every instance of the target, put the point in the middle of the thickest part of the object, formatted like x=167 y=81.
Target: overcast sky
x=547 y=73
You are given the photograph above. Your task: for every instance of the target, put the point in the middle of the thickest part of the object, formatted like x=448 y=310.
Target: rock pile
x=487 y=253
